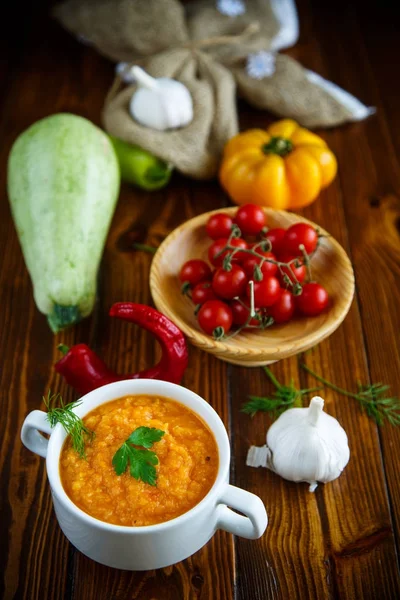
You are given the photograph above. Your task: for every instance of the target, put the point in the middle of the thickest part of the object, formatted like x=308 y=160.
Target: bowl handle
x=34 y=425
x=251 y=526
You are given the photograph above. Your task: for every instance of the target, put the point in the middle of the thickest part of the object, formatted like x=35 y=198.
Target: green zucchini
x=63 y=185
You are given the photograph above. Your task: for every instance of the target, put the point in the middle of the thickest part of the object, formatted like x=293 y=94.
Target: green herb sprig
x=284 y=397
x=71 y=423
x=372 y=399
x=144 y=248
x=142 y=461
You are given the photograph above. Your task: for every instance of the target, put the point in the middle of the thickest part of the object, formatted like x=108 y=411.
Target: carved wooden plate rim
x=332 y=267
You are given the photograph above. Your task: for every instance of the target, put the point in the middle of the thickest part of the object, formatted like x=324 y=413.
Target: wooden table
x=339 y=542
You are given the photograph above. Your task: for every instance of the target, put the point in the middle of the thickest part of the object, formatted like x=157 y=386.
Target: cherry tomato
x=220 y=244
x=292 y=272
x=267 y=268
x=241 y=313
x=214 y=249
x=219 y=226
x=297 y=234
x=229 y=284
x=194 y=271
x=203 y=292
x=313 y=299
x=213 y=314
x=283 y=310
x=250 y=219
x=266 y=292
x=276 y=236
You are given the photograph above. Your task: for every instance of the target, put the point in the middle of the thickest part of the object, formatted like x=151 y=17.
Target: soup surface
x=187 y=454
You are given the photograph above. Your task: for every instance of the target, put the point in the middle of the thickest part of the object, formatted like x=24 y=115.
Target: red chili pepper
x=85 y=371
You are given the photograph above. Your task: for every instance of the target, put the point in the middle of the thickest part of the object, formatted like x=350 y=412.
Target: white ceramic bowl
x=153 y=546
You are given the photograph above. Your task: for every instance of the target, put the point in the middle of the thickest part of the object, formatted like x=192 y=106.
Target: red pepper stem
x=63 y=349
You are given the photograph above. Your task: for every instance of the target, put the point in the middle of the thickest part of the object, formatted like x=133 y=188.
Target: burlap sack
x=124 y=29
x=196 y=149
x=197 y=45
x=205 y=21
x=288 y=93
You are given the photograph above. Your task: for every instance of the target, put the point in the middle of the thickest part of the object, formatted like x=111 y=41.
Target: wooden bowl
x=330 y=266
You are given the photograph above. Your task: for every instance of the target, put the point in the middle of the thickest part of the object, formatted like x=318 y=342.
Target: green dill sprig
x=284 y=397
x=71 y=423
x=372 y=399
x=144 y=248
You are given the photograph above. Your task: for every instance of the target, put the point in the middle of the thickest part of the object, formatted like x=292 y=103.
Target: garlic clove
x=258 y=456
x=160 y=103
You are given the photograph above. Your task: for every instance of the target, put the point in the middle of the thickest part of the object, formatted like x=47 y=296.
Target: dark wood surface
x=341 y=541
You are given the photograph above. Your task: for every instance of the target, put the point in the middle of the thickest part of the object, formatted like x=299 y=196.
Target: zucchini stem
x=63 y=317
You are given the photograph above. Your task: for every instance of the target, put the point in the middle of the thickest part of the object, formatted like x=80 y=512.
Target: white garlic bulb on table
x=304 y=444
x=160 y=103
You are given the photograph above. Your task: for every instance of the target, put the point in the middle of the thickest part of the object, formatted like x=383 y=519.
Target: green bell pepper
x=139 y=167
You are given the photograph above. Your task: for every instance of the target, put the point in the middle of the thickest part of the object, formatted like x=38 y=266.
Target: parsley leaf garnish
x=120 y=459
x=142 y=465
x=145 y=436
x=141 y=461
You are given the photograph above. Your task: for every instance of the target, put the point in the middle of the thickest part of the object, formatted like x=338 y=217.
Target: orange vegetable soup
x=187 y=454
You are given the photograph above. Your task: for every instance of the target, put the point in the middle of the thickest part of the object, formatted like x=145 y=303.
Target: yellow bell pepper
x=285 y=166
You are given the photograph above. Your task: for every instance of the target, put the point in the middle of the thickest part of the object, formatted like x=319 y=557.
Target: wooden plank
x=289 y=559
x=346 y=52
x=353 y=150
x=373 y=214
x=351 y=520
x=378 y=32
x=28 y=538
x=14 y=36
x=29 y=532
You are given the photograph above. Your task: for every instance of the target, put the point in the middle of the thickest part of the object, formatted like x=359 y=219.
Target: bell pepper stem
x=278 y=145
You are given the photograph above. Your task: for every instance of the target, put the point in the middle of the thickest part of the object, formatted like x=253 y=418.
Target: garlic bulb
x=160 y=103
x=304 y=444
